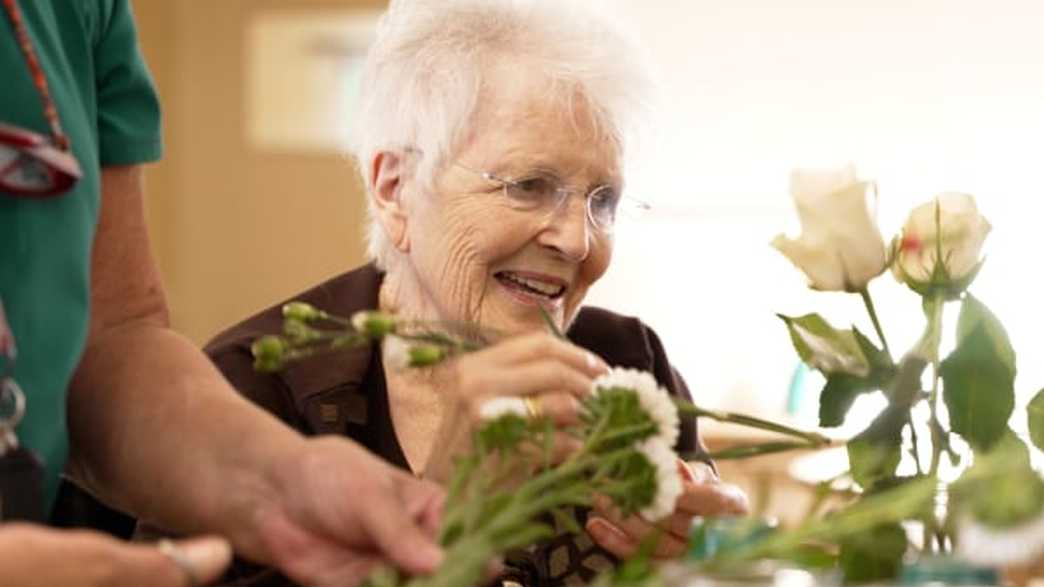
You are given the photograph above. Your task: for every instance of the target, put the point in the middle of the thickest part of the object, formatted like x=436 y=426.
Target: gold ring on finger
x=533 y=408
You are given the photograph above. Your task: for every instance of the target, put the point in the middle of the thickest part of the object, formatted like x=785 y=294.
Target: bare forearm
x=159 y=432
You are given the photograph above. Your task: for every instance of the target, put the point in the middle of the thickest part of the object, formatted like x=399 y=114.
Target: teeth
x=540 y=287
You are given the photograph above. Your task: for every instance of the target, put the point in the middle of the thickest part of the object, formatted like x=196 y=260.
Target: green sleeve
x=128 y=107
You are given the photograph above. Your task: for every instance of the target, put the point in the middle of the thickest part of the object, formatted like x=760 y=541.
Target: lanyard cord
x=39 y=79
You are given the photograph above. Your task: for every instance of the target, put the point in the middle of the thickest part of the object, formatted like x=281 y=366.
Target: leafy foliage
x=875 y=555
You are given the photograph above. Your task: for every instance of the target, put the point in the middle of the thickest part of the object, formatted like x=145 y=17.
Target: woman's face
x=476 y=257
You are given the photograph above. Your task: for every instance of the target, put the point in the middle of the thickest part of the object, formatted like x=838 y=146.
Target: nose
x=567 y=231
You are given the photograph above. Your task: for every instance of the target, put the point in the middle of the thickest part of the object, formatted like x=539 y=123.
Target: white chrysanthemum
x=396 y=352
x=496 y=407
x=653 y=398
x=668 y=480
x=982 y=545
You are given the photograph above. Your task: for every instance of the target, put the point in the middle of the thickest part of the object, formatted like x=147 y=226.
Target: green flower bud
x=269 y=353
x=302 y=311
x=298 y=332
x=373 y=323
x=425 y=355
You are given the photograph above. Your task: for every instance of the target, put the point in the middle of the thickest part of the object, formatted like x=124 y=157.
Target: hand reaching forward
x=36 y=556
x=340 y=511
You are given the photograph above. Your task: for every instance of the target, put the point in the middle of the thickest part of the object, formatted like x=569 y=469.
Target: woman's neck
x=414 y=398
x=401 y=294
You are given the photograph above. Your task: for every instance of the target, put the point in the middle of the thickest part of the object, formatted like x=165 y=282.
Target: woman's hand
x=339 y=512
x=703 y=495
x=35 y=556
x=551 y=373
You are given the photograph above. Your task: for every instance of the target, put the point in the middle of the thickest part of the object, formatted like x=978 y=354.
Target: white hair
x=425 y=72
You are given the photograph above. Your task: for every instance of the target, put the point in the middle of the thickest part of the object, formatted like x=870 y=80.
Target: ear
x=386 y=181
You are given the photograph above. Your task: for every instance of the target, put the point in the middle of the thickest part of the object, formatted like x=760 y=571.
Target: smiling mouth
x=538 y=288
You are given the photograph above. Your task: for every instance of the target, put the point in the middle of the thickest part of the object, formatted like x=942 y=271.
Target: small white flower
x=496 y=407
x=668 y=480
x=653 y=398
x=396 y=352
x=982 y=545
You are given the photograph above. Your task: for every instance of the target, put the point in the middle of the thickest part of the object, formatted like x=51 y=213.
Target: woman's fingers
x=89 y=559
x=611 y=538
x=674 y=530
x=478 y=378
x=624 y=539
x=561 y=408
x=562 y=447
x=712 y=498
x=527 y=365
x=530 y=347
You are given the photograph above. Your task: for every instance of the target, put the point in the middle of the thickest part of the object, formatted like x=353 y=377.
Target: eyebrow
x=541 y=165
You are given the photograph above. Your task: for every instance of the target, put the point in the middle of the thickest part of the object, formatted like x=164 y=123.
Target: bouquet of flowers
x=993 y=514
x=503 y=492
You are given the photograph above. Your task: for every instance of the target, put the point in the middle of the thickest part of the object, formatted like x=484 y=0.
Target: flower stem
x=934 y=309
x=869 y=303
x=813 y=438
x=754 y=450
x=551 y=323
x=935 y=324
x=916 y=444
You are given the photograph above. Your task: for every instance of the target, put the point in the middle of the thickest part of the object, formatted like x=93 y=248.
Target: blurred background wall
x=236 y=227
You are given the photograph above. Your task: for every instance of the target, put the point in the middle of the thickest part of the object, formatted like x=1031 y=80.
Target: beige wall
x=235 y=229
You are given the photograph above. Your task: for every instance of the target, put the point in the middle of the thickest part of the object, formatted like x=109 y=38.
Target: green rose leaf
x=838 y=395
x=880 y=363
x=1035 y=413
x=825 y=348
x=979 y=388
x=873 y=556
x=842 y=389
x=874 y=454
x=1001 y=490
x=974 y=313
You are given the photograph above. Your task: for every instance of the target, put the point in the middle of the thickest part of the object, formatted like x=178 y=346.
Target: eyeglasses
x=545 y=194
x=32 y=165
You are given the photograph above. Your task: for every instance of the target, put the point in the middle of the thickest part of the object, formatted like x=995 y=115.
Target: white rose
x=840 y=248
x=951 y=225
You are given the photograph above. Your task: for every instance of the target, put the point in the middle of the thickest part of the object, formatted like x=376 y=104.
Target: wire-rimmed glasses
x=545 y=193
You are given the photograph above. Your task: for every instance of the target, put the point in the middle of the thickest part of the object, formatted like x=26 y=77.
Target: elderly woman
x=491 y=138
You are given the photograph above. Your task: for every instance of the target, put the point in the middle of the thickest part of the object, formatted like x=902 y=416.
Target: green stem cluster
x=488 y=513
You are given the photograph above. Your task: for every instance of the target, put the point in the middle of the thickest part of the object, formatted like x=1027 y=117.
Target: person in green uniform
x=132 y=410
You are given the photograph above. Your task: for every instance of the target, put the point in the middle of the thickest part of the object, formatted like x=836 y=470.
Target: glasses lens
x=602 y=207
x=30 y=166
x=535 y=193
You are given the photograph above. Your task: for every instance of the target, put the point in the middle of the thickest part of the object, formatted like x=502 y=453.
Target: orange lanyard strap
x=39 y=79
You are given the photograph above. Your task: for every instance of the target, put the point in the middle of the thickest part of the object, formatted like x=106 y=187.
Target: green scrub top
x=109 y=109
